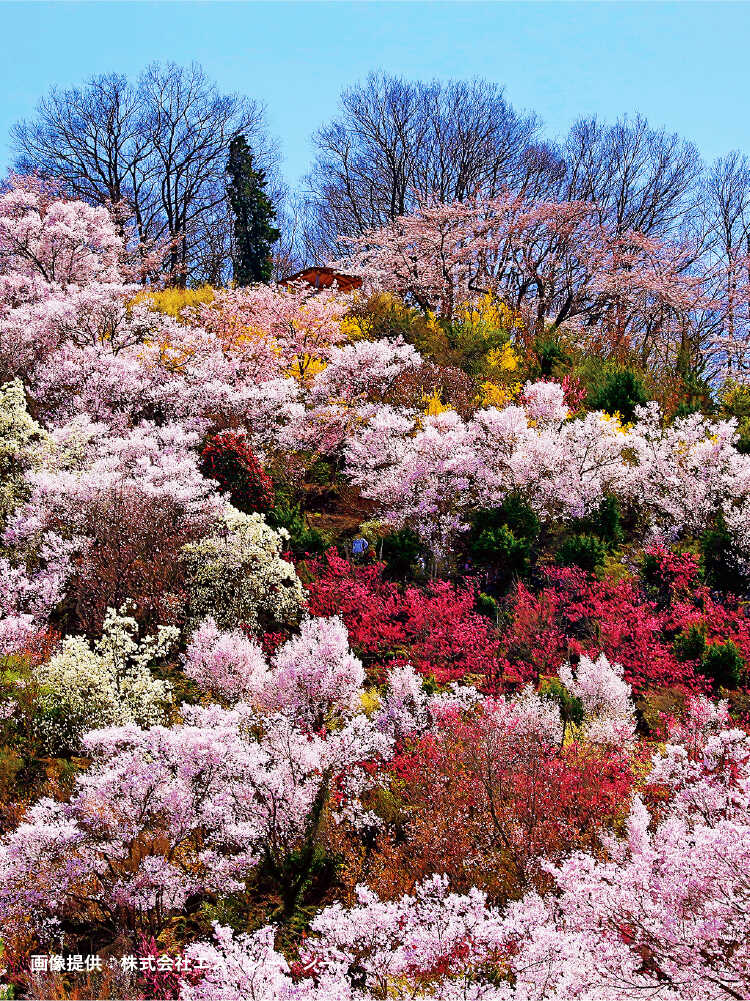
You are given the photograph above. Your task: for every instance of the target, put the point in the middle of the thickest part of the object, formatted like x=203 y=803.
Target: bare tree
x=93 y=140
x=209 y=241
x=158 y=147
x=727 y=200
x=395 y=140
x=289 y=254
x=640 y=178
x=189 y=126
x=725 y=223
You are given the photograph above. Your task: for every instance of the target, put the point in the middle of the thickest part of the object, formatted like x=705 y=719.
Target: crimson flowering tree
x=446 y=636
x=436 y=628
x=227 y=458
x=493 y=792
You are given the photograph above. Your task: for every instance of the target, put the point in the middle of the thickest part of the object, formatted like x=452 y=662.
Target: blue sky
x=683 y=65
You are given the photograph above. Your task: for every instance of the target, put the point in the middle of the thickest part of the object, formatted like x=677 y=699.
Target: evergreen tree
x=254 y=215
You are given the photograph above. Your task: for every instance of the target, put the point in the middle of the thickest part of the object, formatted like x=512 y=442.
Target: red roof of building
x=325 y=278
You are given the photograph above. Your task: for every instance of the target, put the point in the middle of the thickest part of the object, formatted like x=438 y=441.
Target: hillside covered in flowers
x=387 y=644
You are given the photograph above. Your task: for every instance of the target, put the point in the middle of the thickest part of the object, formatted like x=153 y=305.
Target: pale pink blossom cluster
x=210 y=796
x=157 y=465
x=430 y=473
x=554 y=261
x=311 y=678
x=225 y=663
x=405 y=709
x=73 y=327
x=27 y=598
x=303 y=323
x=364 y=370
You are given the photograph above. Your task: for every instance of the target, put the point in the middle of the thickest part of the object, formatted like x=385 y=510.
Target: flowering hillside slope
x=383 y=644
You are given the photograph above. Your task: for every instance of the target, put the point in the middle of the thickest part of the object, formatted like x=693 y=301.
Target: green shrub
x=571 y=707
x=487 y=605
x=720 y=569
x=621 y=392
x=505 y=537
x=696 y=392
x=471 y=343
x=401 y=550
x=303 y=540
x=743 y=443
x=735 y=402
x=723 y=663
x=582 y=550
x=606 y=522
x=690 y=644
x=551 y=356
x=322 y=473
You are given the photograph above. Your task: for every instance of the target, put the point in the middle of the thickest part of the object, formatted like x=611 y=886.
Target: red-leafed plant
x=227 y=458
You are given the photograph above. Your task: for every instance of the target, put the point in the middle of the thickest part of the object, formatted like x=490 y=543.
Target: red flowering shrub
x=574 y=612
x=446 y=636
x=691 y=611
x=368 y=604
x=227 y=458
x=639 y=624
x=670 y=575
x=485 y=804
x=435 y=628
x=575 y=392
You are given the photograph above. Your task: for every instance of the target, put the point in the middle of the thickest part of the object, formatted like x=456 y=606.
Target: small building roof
x=321 y=277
